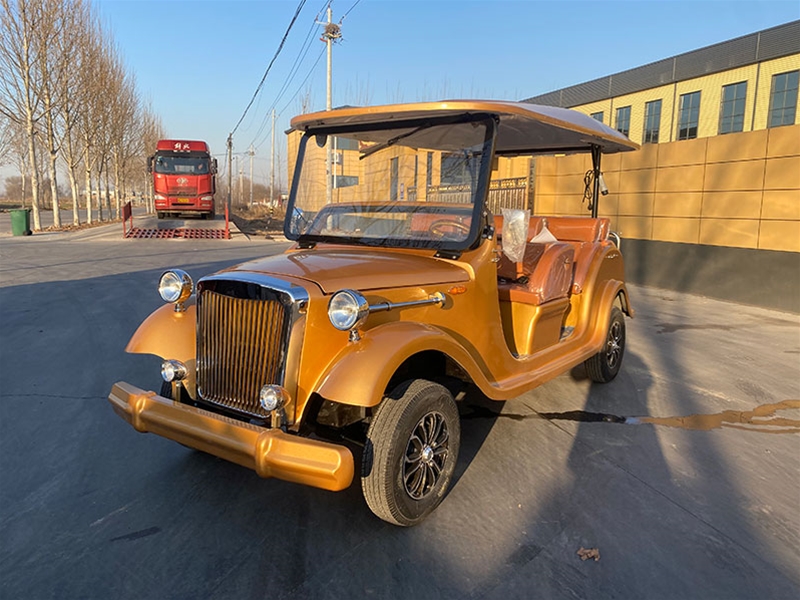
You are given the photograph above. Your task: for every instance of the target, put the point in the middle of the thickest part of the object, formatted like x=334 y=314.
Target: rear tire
x=604 y=366
x=411 y=452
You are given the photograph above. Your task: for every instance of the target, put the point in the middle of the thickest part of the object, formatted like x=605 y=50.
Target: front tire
x=411 y=452
x=604 y=366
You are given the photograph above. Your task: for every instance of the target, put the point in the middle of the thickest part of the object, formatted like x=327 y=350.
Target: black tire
x=604 y=366
x=160 y=215
x=411 y=452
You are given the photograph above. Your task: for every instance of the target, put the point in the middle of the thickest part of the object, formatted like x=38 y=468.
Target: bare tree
x=152 y=131
x=20 y=77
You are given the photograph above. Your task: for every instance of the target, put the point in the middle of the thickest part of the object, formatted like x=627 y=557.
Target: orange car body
x=504 y=327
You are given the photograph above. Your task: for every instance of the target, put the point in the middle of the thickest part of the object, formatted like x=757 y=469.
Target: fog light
x=173 y=370
x=273 y=397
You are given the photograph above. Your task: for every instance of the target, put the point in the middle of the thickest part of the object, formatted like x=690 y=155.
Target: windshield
x=181 y=165
x=419 y=185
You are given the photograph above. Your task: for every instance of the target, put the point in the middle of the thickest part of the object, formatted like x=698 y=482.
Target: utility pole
x=332 y=33
x=230 y=169
x=252 y=154
x=272 y=163
x=241 y=182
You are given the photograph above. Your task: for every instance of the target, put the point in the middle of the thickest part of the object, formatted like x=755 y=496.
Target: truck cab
x=184 y=178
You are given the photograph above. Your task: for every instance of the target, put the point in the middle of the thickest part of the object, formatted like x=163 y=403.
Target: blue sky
x=199 y=62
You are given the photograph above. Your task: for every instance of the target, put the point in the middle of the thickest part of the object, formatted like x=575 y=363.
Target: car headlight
x=272 y=397
x=175 y=286
x=173 y=370
x=206 y=198
x=347 y=309
x=160 y=197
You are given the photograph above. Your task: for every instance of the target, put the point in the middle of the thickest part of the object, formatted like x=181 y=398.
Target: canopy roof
x=523 y=128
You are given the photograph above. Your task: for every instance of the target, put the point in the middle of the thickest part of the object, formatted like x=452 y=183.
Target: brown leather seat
x=545 y=274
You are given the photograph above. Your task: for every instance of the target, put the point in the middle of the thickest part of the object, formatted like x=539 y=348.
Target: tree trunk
x=99 y=192
x=108 y=197
x=73 y=186
x=54 y=189
x=88 y=173
x=37 y=222
x=117 y=184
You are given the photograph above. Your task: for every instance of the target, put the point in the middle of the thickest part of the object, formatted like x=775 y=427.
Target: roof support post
x=596 y=155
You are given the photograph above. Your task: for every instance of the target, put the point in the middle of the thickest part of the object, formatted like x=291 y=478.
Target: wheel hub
x=425 y=456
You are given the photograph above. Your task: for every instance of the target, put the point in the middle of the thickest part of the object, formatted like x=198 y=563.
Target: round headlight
x=347 y=309
x=173 y=370
x=175 y=286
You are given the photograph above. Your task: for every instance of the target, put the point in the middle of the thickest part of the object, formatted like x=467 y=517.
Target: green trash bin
x=21 y=221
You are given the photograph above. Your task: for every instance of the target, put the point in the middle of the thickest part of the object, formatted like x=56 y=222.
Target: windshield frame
x=195 y=156
x=478 y=218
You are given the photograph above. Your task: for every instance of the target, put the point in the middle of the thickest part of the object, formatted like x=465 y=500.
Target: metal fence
x=503 y=193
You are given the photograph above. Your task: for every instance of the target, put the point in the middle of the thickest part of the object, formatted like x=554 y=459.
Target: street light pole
x=252 y=154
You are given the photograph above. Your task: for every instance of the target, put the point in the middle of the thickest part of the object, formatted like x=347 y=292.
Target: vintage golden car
x=400 y=285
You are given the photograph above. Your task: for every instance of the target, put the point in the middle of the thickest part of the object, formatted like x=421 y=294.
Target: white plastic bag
x=515 y=233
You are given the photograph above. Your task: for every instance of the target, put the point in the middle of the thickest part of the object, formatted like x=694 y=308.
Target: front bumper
x=269 y=452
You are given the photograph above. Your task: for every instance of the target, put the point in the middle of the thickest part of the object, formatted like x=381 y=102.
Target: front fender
x=361 y=371
x=166 y=333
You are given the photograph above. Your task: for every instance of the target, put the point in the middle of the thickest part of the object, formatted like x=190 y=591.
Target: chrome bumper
x=269 y=452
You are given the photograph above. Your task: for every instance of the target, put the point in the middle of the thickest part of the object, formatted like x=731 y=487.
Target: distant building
x=745 y=84
x=711 y=203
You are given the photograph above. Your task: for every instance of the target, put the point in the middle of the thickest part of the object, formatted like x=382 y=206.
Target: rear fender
x=361 y=371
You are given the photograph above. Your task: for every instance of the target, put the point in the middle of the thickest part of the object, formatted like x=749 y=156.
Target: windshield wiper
x=392 y=141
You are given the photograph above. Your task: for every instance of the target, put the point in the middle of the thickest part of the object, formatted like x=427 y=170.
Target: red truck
x=183 y=178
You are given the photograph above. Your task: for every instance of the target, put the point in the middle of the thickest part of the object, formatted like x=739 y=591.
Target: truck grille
x=182 y=191
x=240 y=347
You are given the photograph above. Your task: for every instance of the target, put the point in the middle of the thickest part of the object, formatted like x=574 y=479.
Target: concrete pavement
x=684 y=507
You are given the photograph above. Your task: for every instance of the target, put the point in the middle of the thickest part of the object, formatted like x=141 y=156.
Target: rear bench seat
x=555 y=269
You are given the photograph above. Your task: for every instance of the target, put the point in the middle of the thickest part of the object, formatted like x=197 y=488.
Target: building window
x=783 y=99
x=652 y=121
x=624 y=120
x=598 y=116
x=731 y=111
x=394 y=171
x=689 y=116
x=429 y=170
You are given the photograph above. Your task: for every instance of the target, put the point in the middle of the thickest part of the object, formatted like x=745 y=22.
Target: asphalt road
x=680 y=508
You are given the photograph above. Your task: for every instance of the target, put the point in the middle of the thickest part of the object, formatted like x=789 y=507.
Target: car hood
x=335 y=269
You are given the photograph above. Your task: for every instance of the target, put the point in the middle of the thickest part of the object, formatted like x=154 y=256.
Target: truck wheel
x=160 y=215
x=411 y=452
x=604 y=366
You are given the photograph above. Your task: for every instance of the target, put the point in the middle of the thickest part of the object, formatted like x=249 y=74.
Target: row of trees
x=68 y=105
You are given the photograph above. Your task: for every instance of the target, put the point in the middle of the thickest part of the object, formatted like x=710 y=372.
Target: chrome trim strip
x=437 y=298
x=295 y=292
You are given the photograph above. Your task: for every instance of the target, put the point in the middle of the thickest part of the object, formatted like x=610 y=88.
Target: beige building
x=711 y=203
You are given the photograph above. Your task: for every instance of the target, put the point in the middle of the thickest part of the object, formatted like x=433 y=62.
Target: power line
x=264 y=78
x=348 y=11
x=301 y=55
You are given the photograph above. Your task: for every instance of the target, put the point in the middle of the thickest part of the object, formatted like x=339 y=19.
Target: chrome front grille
x=241 y=345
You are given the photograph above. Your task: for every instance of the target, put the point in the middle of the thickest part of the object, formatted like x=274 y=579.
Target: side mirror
x=214 y=166
x=150 y=164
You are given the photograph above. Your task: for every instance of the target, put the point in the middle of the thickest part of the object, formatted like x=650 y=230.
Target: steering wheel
x=439 y=228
